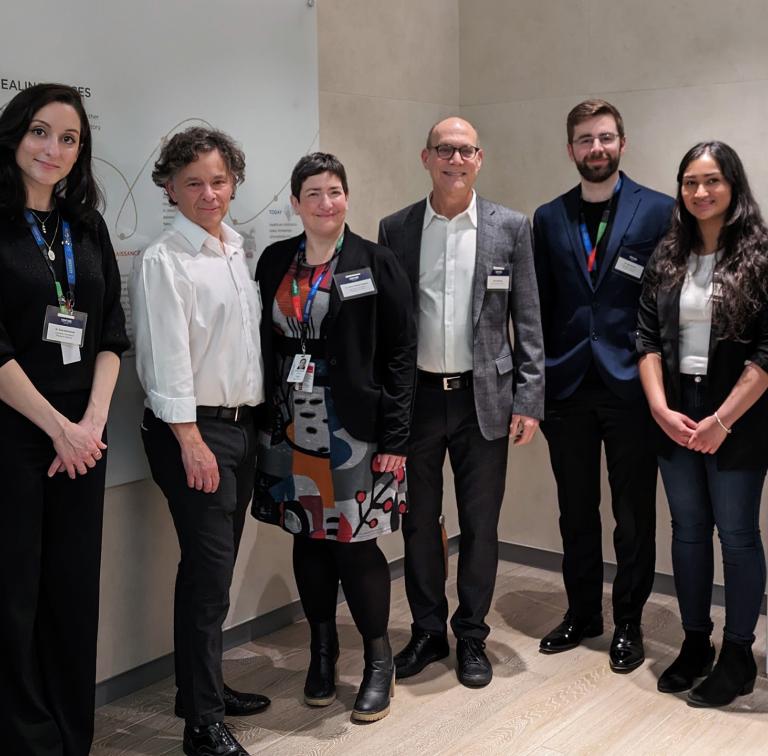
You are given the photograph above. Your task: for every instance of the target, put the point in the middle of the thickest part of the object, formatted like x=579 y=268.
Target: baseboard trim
x=147 y=674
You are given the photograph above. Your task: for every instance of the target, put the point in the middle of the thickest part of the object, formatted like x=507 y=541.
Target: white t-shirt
x=696 y=313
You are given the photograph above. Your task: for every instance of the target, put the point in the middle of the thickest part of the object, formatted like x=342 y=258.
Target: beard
x=597 y=173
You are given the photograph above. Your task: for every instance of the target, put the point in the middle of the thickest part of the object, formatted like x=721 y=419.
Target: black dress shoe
x=570 y=632
x=236 y=704
x=627 y=651
x=472 y=665
x=694 y=660
x=211 y=740
x=422 y=649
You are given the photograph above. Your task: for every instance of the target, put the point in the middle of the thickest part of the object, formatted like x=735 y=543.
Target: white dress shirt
x=196 y=315
x=446 y=281
x=696 y=313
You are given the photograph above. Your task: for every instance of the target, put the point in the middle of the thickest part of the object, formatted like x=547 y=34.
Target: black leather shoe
x=236 y=704
x=422 y=649
x=694 y=660
x=472 y=665
x=211 y=740
x=627 y=652
x=569 y=633
x=733 y=675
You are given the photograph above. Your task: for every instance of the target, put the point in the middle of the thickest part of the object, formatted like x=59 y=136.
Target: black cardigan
x=370 y=342
x=746 y=447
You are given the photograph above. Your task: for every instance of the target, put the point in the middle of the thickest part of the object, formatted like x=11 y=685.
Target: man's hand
x=199 y=461
x=522 y=429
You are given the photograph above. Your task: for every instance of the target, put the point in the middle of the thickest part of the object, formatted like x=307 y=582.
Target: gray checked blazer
x=506 y=380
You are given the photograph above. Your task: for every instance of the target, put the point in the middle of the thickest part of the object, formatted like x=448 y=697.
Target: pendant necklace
x=51 y=253
x=40 y=220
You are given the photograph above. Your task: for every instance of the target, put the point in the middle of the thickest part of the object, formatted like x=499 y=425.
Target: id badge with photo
x=308 y=383
x=299 y=368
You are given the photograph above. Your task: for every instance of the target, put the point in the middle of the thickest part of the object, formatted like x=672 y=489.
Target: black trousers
x=575 y=429
x=50 y=557
x=209 y=526
x=446 y=421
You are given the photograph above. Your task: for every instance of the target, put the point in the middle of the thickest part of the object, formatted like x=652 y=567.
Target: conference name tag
x=498 y=279
x=355 y=283
x=299 y=368
x=64 y=327
x=308 y=383
x=629 y=265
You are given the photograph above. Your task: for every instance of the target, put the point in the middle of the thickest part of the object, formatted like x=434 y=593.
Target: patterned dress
x=313 y=478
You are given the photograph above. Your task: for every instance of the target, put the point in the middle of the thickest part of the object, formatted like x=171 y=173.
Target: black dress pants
x=209 y=526
x=575 y=429
x=50 y=557
x=447 y=421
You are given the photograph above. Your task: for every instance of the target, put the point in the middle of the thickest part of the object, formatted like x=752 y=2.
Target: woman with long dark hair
x=703 y=337
x=61 y=333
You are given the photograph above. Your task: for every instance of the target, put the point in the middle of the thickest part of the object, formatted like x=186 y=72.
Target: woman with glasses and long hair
x=62 y=331
x=339 y=345
x=703 y=337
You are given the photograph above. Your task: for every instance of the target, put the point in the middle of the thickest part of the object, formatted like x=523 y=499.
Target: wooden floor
x=569 y=703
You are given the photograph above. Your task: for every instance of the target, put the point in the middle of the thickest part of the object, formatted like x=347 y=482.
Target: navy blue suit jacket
x=583 y=321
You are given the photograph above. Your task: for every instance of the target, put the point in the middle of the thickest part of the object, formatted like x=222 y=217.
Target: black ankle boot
x=378 y=686
x=694 y=660
x=734 y=675
x=320 y=686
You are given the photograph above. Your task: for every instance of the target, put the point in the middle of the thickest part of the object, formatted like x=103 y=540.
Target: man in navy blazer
x=591 y=247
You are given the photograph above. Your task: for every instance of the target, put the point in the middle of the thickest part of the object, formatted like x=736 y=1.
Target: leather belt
x=240 y=414
x=446 y=381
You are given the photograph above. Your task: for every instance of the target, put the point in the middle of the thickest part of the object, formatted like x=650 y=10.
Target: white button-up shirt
x=446 y=281
x=196 y=315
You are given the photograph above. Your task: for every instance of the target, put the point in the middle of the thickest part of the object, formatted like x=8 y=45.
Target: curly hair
x=183 y=148
x=77 y=195
x=743 y=268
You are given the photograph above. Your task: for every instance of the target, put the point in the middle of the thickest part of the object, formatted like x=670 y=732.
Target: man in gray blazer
x=470 y=265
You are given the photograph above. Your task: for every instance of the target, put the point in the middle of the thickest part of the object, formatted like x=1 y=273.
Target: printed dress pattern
x=313 y=478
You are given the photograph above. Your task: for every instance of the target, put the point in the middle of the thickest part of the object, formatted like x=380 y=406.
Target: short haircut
x=590 y=109
x=313 y=165
x=448 y=118
x=183 y=148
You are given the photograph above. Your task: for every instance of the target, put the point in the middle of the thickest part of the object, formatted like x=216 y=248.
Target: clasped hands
x=78 y=447
x=706 y=436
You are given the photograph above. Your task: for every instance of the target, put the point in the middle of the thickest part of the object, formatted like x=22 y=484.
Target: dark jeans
x=447 y=421
x=50 y=557
x=700 y=497
x=209 y=526
x=576 y=428
x=362 y=570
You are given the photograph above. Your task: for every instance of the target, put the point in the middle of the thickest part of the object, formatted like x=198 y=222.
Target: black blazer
x=370 y=342
x=746 y=447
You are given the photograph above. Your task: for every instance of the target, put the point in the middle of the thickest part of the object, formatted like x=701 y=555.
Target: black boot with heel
x=733 y=675
x=695 y=659
x=378 y=686
x=320 y=685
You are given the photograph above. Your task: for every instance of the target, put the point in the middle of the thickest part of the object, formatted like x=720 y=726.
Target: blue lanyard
x=69 y=260
x=589 y=248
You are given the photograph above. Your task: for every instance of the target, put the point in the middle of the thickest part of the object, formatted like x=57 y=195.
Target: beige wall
x=388 y=70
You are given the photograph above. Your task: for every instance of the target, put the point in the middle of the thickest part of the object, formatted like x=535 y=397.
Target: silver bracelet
x=720 y=423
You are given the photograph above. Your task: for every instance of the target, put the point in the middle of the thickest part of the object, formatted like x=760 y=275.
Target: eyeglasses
x=447 y=151
x=606 y=139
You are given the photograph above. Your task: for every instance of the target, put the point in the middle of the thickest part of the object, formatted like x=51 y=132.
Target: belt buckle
x=237 y=413
x=449 y=380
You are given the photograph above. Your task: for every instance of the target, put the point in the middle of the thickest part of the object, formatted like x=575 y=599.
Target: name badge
x=64 y=327
x=498 y=279
x=299 y=368
x=629 y=265
x=355 y=283
x=309 y=380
